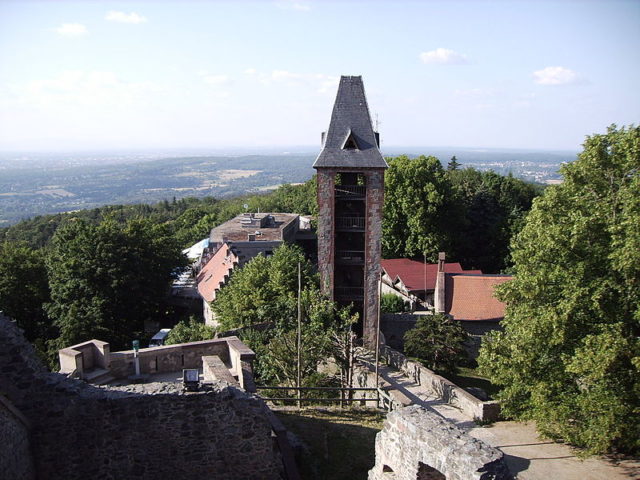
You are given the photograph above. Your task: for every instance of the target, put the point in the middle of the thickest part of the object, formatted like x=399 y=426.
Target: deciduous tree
x=107 y=279
x=418 y=208
x=569 y=357
x=438 y=342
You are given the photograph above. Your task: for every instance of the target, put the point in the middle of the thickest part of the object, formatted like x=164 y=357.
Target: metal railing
x=350 y=191
x=382 y=398
x=350 y=223
x=350 y=256
x=349 y=293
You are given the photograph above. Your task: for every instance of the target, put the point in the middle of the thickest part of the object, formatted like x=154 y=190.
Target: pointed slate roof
x=350 y=124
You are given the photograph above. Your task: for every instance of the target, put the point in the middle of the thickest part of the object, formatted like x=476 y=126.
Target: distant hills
x=36 y=184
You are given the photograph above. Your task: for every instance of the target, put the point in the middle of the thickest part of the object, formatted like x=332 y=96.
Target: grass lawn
x=341 y=442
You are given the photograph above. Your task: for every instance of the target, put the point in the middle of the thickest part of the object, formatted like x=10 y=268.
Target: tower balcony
x=349 y=294
x=350 y=191
x=350 y=257
x=350 y=224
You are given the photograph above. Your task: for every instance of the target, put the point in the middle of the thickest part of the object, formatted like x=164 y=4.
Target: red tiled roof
x=471 y=297
x=211 y=277
x=412 y=272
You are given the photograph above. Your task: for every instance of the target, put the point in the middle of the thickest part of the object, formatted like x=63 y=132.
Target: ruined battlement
x=76 y=430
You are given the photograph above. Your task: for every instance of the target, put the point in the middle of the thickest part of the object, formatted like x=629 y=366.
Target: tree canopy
x=264 y=290
x=418 y=205
x=438 y=341
x=107 y=279
x=24 y=289
x=569 y=357
x=469 y=214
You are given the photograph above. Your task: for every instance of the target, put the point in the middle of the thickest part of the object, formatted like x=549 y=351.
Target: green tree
x=453 y=164
x=390 y=303
x=189 y=331
x=24 y=288
x=493 y=207
x=418 y=209
x=438 y=342
x=322 y=323
x=263 y=290
x=107 y=279
x=569 y=357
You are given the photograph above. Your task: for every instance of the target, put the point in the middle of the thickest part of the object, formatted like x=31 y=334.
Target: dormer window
x=350 y=142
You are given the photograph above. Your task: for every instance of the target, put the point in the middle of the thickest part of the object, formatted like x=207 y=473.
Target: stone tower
x=350 y=176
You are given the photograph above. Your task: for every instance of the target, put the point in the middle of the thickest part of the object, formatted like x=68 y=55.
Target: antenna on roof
x=377 y=123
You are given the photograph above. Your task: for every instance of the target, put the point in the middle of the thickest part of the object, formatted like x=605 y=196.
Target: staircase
x=98 y=376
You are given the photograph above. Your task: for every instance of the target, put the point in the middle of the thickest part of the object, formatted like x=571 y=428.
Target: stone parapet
x=82 y=431
x=415 y=443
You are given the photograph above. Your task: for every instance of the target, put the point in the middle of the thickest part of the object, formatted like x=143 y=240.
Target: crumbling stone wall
x=82 y=431
x=415 y=443
x=15 y=452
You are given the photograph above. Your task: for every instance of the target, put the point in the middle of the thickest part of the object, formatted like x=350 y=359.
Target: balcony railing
x=351 y=257
x=349 y=293
x=352 y=191
x=350 y=223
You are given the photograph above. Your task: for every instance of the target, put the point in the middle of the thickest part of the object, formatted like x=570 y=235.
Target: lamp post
x=136 y=347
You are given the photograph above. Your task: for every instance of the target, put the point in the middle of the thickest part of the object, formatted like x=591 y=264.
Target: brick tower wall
x=326 y=208
x=373 y=246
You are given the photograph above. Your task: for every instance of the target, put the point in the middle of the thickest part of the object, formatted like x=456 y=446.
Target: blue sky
x=200 y=74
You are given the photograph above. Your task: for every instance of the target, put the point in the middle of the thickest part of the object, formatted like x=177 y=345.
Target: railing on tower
x=350 y=223
x=352 y=257
x=352 y=191
x=349 y=293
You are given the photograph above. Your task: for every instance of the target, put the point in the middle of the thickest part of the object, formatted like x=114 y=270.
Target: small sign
x=136 y=345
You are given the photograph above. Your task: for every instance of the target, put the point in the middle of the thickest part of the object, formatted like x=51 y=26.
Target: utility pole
x=299 y=334
x=378 y=334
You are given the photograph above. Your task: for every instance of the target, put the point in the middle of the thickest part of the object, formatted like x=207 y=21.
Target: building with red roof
x=213 y=277
x=414 y=280
x=472 y=297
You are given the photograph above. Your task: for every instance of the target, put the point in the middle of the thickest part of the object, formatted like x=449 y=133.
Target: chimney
x=439 y=293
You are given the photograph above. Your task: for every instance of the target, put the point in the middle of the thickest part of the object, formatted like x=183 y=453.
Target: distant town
x=43 y=183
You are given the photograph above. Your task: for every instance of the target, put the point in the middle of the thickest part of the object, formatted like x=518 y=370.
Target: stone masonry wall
x=414 y=439
x=15 y=452
x=82 y=431
x=326 y=206
x=373 y=245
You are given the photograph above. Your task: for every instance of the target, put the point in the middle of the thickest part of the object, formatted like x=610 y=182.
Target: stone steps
x=98 y=376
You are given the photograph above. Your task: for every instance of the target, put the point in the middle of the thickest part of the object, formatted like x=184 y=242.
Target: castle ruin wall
x=417 y=444
x=83 y=431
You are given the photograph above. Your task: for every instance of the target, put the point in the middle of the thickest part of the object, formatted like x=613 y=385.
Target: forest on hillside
x=54 y=268
x=569 y=356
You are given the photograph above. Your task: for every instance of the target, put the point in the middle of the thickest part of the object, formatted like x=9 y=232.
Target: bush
x=390 y=303
x=438 y=342
x=191 y=331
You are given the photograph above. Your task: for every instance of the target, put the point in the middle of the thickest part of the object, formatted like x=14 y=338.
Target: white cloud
x=321 y=82
x=72 y=30
x=443 y=56
x=474 y=92
x=250 y=71
x=555 y=76
x=133 y=17
x=216 y=79
x=293 y=5
x=85 y=89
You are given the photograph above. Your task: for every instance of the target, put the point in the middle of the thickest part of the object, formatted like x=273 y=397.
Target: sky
x=214 y=74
